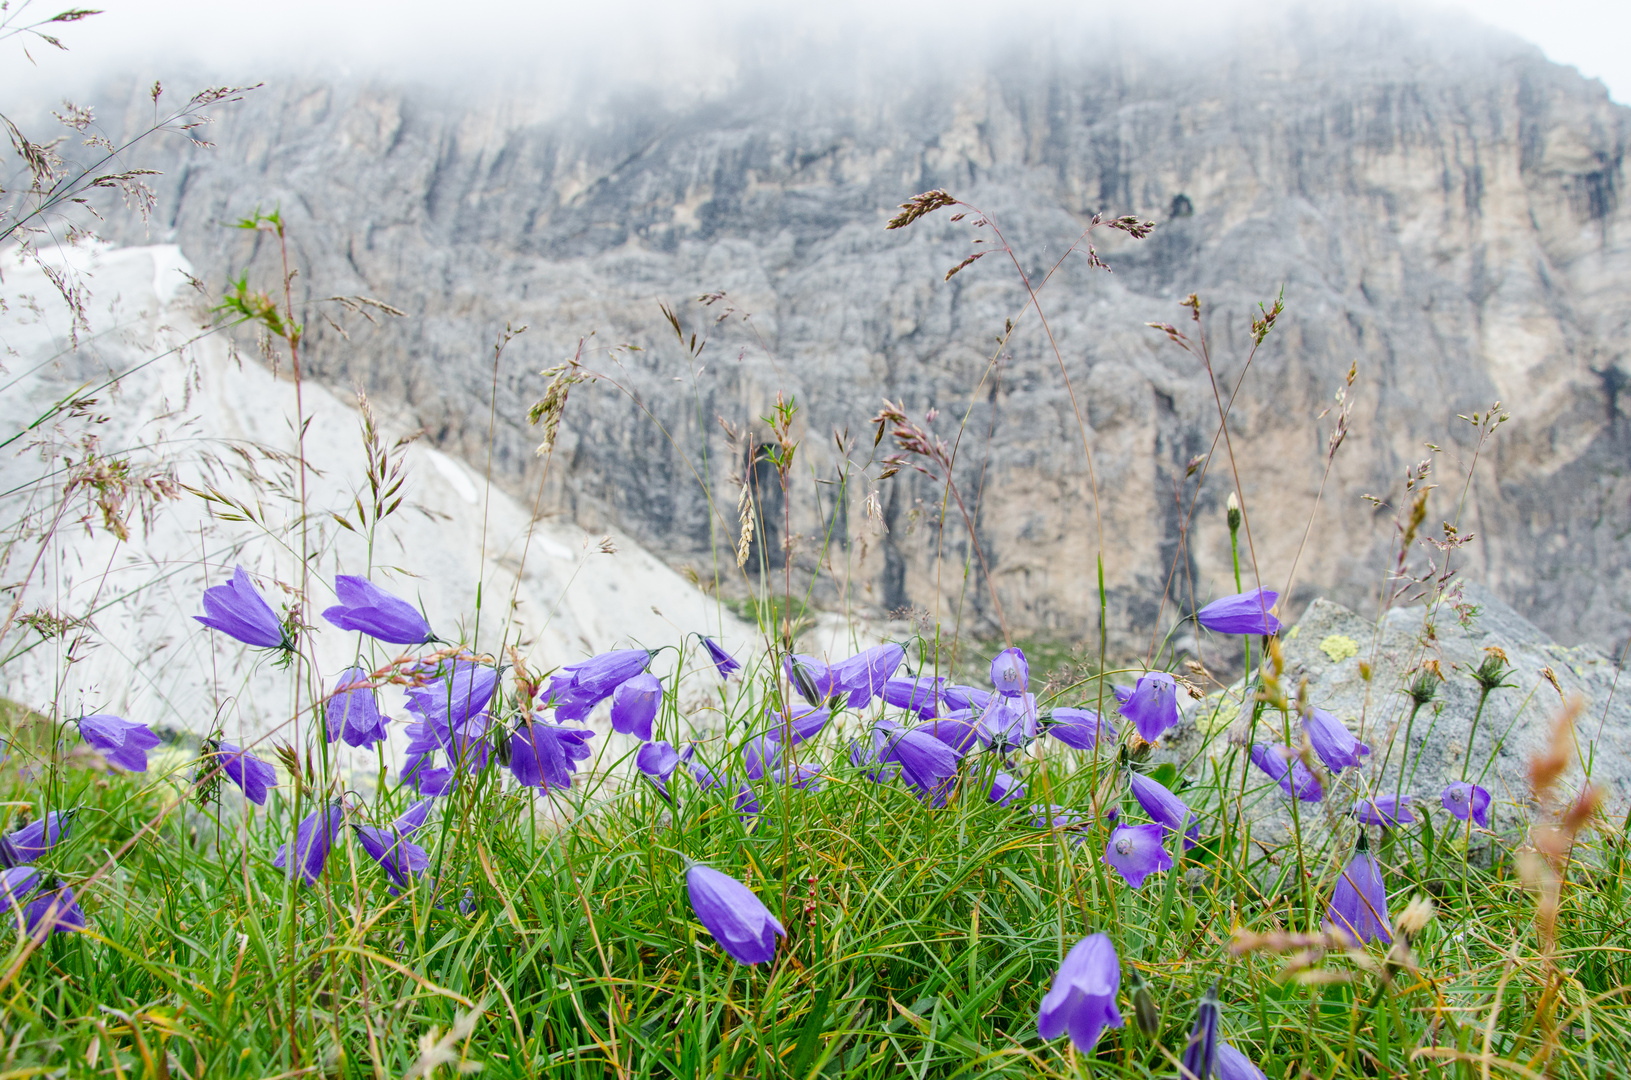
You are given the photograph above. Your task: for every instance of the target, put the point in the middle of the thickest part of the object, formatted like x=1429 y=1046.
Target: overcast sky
x=405 y=38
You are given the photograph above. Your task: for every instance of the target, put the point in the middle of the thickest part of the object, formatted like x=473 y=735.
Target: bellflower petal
x=1359 y=902
x=1167 y=809
x=545 y=755
x=736 y=918
x=1391 y=811
x=1009 y=721
x=957 y=698
x=657 y=761
x=252 y=775
x=124 y=743
x=1333 y=742
x=1080 y=729
x=15 y=885
x=1233 y=1065
x=1082 y=1000
x=1010 y=673
x=927 y=765
x=1136 y=852
x=353 y=712
x=863 y=675
x=1054 y=816
x=802 y=778
x=366 y=607
x=960 y=735
x=1283 y=766
x=1005 y=789
x=1123 y=694
x=313 y=839
x=238 y=610
x=421 y=772
x=1153 y=708
x=1463 y=800
x=724 y=661
x=454 y=695
x=398 y=856
x=920 y=695
x=802 y=727
x=634 y=705
x=579 y=687
x=54 y=912
x=1243 y=613
x=33 y=840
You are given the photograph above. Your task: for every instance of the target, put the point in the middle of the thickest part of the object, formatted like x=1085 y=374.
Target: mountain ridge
x=1447 y=217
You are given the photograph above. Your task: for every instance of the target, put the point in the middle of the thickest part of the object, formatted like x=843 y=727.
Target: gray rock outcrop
x=1331 y=646
x=1445 y=211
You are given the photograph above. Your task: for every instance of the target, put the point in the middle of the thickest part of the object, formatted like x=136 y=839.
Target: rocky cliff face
x=1449 y=219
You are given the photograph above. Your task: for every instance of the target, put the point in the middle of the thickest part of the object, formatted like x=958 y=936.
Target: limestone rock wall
x=1445 y=212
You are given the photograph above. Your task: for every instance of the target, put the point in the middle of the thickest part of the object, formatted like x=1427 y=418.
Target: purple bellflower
x=15 y=885
x=1153 y=708
x=960 y=735
x=1233 y=1065
x=1136 y=852
x=545 y=755
x=1359 y=902
x=124 y=743
x=657 y=762
x=1167 y=809
x=352 y=712
x=313 y=839
x=927 y=765
x=33 y=840
x=1010 y=673
x=1201 y=1052
x=920 y=695
x=759 y=756
x=634 y=705
x=390 y=847
x=1054 y=816
x=254 y=776
x=736 y=918
x=1080 y=729
x=1333 y=742
x=802 y=727
x=865 y=674
x=864 y=751
x=724 y=661
x=238 y=610
x=366 y=607
x=1283 y=766
x=421 y=772
x=453 y=702
x=747 y=803
x=1390 y=811
x=1009 y=721
x=964 y=698
x=54 y=912
x=1243 y=613
x=801 y=778
x=1082 y=1000
x=579 y=687
x=1467 y=800
x=1005 y=789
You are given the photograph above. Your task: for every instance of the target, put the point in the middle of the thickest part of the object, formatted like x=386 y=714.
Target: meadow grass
x=920 y=942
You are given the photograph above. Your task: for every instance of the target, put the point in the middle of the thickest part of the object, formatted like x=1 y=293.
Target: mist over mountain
x=1444 y=211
